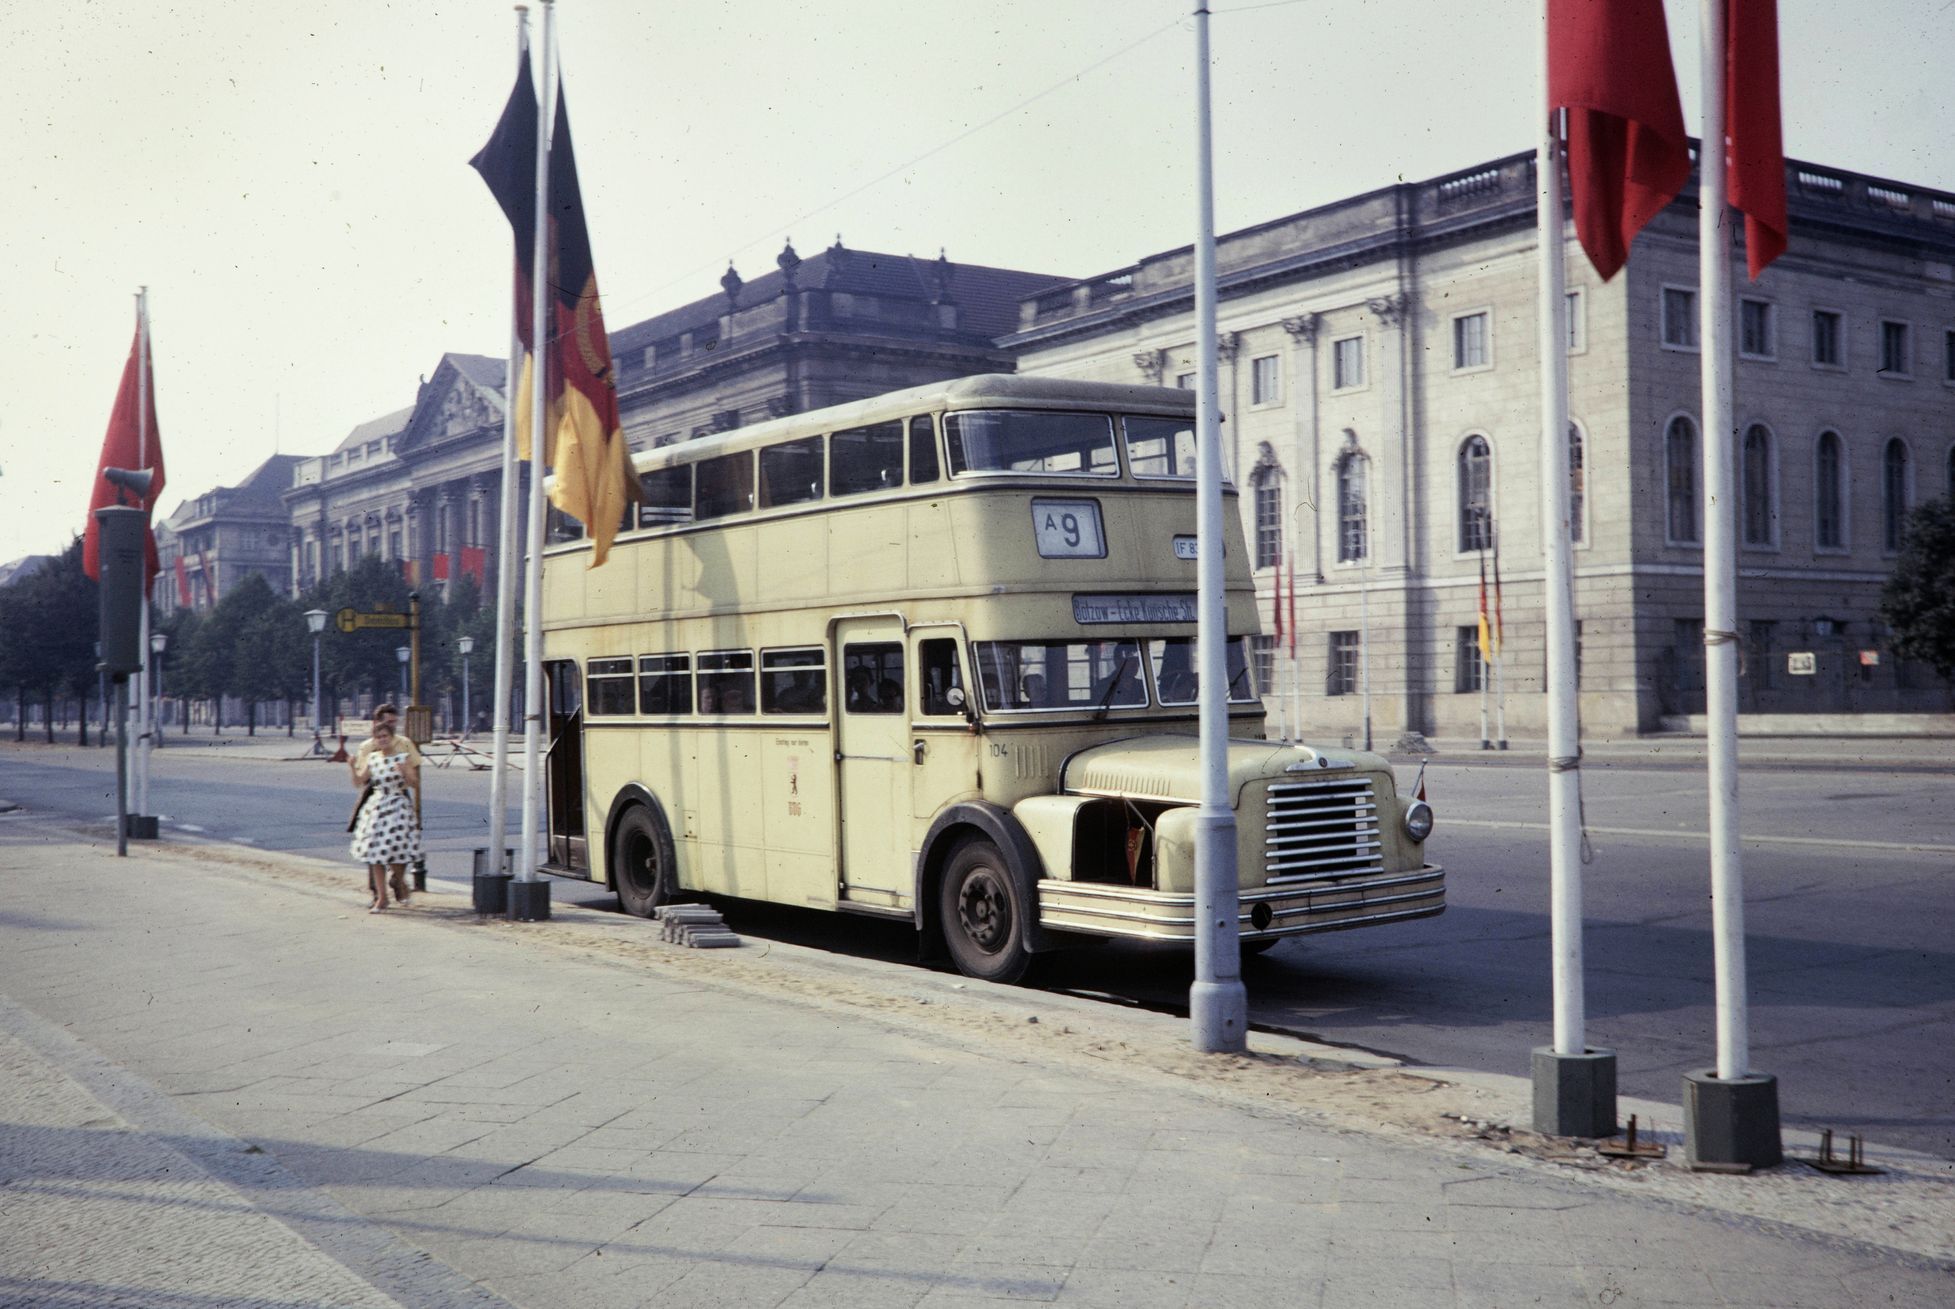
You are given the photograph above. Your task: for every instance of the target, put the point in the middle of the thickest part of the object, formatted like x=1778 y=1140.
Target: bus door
x=563 y=767
x=872 y=752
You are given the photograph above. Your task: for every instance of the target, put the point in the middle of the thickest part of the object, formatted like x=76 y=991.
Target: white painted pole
x=1364 y=605
x=1217 y=1004
x=144 y=716
x=1720 y=557
x=507 y=559
x=532 y=856
x=1564 y=738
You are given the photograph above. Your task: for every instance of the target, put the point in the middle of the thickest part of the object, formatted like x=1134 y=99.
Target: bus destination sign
x=1168 y=607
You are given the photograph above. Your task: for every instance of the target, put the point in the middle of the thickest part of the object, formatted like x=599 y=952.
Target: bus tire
x=641 y=860
x=982 y=914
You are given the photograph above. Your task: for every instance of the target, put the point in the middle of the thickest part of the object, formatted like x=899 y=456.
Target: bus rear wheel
x=641 y=861
x=983 y=920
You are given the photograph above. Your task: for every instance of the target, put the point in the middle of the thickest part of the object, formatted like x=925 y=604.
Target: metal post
x=1217 y=1003
x=1364 y=604
x=530 y=892
x=1733 y=1114
x=414 y=650
x=507 y=559
x=317 y=707
x=121 y=768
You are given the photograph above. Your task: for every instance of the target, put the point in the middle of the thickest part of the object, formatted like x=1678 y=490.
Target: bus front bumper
x=1102 y=909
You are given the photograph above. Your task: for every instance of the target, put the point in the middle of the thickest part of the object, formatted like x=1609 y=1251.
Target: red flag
x=1609 y=66
x=1292 y=600
x=1756 y=160
x=1276 y=599
x=474 y=562
x=441 y=567
x=182 y=583
x=131 y=442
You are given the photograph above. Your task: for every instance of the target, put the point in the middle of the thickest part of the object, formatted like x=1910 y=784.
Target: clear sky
x=294 y=190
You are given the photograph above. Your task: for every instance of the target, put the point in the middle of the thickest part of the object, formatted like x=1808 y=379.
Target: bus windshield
x=1029 y=441
x=1178 y=679
x=1060 y=674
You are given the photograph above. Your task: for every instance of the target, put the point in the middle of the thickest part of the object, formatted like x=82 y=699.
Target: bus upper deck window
x=923 y=450
x=790 y=473
x=665 y=496
x=1029 y=441
x=866 y=459
x=1160 y=447
x=724 y=485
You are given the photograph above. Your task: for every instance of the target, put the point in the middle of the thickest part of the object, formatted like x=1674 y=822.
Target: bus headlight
x=1418 y=820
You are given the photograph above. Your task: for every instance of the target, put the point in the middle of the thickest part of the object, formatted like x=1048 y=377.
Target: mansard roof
x=987 y=298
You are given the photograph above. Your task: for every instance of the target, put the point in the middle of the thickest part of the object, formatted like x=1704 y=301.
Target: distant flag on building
x=131 y=442
x=441 y=566
x=1486 y=632
x=474 y=562
x=182 y=584
x=587 y=450
x=1628 y=156
x=1756 y=166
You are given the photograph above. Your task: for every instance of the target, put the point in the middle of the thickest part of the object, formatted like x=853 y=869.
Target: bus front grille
x=1322 y=829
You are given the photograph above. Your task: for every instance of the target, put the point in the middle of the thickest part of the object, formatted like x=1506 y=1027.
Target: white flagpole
x=144 y=717
x=1217 y=1003
x=1720 y=558
x=532 y=857
x=1574 y=1085
x=507 y=559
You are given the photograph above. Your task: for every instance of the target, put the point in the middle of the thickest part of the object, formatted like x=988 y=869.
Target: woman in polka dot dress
x=385 y=838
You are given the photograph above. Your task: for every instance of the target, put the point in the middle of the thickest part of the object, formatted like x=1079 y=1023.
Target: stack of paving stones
x=696 y=926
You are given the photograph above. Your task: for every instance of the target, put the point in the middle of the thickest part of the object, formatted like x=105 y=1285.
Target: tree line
x=252 y=648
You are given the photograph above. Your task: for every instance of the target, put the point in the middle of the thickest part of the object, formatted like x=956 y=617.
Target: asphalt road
x=1850 y=889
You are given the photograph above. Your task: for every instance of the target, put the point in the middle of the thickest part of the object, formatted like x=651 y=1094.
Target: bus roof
x=983 y=391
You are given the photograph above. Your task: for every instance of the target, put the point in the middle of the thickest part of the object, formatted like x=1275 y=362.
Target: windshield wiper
x=1112 y=686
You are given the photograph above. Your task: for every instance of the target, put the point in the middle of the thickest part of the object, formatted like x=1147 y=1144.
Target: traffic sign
x=351 y=620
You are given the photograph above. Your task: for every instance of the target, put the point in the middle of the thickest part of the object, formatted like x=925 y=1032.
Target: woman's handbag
x=358 y=805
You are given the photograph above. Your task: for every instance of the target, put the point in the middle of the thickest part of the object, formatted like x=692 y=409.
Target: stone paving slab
x=668 y=1137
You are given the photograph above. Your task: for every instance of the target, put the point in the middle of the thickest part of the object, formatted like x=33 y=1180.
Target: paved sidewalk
x=225 y=1083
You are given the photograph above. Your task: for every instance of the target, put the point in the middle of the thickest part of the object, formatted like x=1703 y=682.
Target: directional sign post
x=352 y=620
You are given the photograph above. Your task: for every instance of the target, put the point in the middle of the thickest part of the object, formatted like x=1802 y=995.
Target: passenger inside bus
x=1032 y=691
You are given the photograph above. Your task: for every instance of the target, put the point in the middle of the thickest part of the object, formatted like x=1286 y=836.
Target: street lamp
x=315 y=622
x=467 y=647
x=158 y=642
x=403 y=653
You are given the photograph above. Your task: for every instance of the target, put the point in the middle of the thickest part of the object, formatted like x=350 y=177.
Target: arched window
x=1680 y=461
x=1353 y=506
x=1475 y=494
x=1893 y=493
x=1577 y=483
x=1267 y=485
x=1829 y=500
x=1760 y=513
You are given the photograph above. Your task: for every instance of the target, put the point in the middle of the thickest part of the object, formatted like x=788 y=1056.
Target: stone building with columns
x=1380 y=384
x=213 y=541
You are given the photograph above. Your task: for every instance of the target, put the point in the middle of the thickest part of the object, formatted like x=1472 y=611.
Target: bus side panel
x=797 y=806
x=729 y=849
x=933 y=547
x=797 y=563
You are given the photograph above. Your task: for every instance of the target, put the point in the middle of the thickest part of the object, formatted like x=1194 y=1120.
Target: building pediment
x=458 y=401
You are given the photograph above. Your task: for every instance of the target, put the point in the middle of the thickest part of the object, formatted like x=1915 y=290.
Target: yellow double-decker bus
x=930 y=656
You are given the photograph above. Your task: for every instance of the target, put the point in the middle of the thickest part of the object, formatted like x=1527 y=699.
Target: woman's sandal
x=401 y=889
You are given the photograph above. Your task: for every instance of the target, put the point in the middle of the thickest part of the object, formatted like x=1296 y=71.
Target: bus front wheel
x=641 y=861
x=982 y=917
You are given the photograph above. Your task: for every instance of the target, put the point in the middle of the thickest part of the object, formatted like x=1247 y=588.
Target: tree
x=351 y=662
x=47 y=633
x=1918 y=602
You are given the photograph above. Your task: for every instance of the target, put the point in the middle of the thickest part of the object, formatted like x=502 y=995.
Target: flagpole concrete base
x=1731 y=1121
x=1574 y=1094
x=141 y=827
x=529 y=902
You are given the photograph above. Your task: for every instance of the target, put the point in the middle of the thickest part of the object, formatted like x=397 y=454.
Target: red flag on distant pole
x=1290 y=598
x=1276 y=599
x=1756 y=163
x=131 y=442
x=1628 y=156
